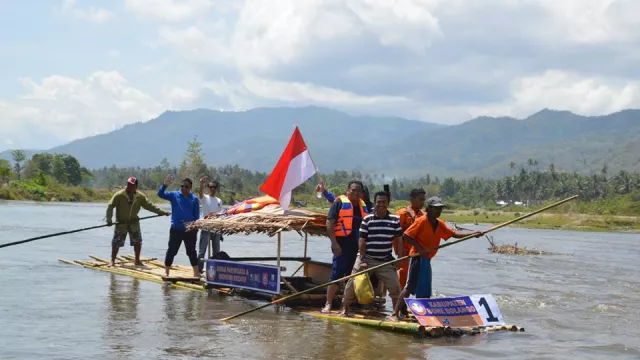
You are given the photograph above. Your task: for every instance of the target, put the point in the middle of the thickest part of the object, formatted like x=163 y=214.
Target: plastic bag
x=363 y=289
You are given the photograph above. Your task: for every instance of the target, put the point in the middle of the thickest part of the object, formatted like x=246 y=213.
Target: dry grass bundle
x=268 y=220
x=513 y=249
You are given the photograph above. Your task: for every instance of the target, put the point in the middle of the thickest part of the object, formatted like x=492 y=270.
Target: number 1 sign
x=474 y=310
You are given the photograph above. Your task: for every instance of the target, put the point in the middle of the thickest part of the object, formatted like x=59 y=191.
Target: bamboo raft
x=272 y=221
x=154 y=271
x=410 y=325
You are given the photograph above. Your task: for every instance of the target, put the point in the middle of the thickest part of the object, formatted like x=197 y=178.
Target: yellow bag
x=363 y=288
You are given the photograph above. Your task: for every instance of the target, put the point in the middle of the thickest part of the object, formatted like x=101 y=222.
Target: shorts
x=419 y=277
x=342 y=265
x=120 y=234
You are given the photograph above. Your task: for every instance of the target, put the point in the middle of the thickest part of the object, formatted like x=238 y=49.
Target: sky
x=76 y=68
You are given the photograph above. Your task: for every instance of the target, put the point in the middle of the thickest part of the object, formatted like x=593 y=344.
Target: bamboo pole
x=181 y=273
x=306 y=241
x=400 y=326
x=70 y=232
x=279 y=245
x=138 y=275
x=125 y=261
x=159 y=264
x=120 y=271
x=414 y=327
x=288 y=284
x=152 y=261
x=298 y=269
x=398 y=259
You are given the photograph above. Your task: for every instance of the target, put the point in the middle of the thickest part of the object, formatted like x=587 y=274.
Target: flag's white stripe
x=300 y=169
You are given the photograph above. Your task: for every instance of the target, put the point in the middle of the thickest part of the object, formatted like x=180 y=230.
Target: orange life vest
x=405 y=213
x=344 y=224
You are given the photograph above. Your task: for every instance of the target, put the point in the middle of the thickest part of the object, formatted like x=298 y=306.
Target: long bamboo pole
x=69 y=232
x=399 y=259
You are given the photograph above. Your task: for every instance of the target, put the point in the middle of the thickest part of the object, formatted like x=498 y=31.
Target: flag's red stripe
x=273 y=185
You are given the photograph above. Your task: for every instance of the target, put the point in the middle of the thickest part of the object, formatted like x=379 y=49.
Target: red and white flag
x=294 y=168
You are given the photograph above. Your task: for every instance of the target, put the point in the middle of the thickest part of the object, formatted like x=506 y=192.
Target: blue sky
x=72 y=69
x=43 y=40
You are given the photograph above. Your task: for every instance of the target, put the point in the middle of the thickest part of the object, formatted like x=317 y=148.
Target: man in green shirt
x=127 y=203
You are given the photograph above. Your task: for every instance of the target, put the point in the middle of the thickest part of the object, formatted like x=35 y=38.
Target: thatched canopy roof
x=268 y=220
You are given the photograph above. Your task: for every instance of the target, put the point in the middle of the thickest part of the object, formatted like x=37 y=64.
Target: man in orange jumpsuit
x=407 y=216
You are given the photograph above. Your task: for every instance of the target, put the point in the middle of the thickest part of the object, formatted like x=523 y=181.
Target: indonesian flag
x=294 y=168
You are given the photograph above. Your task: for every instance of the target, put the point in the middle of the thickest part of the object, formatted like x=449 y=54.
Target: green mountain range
x=392 y=146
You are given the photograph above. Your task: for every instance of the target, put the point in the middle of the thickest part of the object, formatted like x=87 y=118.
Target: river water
x=579 y=304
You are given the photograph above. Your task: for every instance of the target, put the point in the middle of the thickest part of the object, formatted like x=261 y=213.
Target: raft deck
x=153 y=270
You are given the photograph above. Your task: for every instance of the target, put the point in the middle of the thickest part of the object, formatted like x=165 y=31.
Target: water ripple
x=579 y=304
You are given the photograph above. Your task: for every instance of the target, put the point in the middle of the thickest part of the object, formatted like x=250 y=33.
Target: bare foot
x=345 y=313
x=139 y=263
x=326 y=309
x=113 y=264
x=393 y=318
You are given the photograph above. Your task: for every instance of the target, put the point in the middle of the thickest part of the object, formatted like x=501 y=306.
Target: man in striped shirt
x=377 y=234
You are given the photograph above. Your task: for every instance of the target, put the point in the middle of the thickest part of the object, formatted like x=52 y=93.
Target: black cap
x=435 y=202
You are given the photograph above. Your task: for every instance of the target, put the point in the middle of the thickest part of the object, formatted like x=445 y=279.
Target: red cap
x=132 y=180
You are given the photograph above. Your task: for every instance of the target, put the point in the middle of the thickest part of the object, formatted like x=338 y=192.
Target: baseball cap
x=435 y=202
x=132 y=180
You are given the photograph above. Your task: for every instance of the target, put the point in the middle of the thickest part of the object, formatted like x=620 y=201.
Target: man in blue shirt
x=185 y=207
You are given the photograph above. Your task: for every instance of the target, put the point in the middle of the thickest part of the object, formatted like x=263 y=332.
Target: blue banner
x=258 y=277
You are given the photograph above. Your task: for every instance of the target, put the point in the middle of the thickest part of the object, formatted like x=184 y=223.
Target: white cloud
x=593 y=21
x=436 y=60
x=431 y=59
x=195 y=44
x=68 y=108
x=169 y=10
x=565 y=90
x=306 y=92
x=177 y=97
x=91 y=14
x=280 y=32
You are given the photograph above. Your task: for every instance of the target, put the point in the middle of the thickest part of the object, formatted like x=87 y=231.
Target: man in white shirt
x=211 y=204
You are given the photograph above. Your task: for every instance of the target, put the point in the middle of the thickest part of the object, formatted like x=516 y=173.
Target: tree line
x=527 y=183
x=44 y=167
